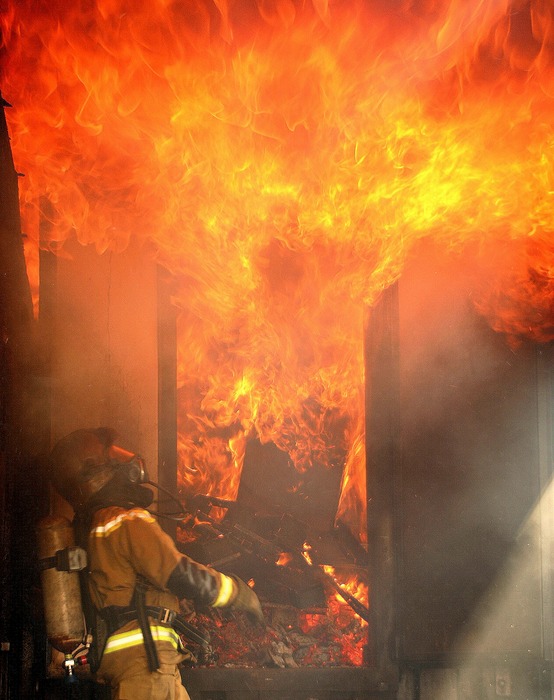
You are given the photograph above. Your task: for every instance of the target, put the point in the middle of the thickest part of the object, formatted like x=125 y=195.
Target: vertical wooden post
x=167 y=392
x=47 y=281
x=20 y=372
x=382 y=440
x=545 y=399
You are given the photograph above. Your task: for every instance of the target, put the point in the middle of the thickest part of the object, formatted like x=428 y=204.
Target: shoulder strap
x=95 y=625
x=144 y=624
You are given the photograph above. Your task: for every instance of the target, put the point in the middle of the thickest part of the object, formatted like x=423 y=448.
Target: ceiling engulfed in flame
x=282 y=159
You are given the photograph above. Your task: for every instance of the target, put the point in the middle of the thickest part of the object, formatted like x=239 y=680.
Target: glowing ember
x=283 y=159
x=332 y=638
x=353 y=586
x=284 y=559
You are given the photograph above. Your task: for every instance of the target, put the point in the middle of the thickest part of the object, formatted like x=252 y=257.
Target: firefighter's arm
x=192 y=580
x=154 y=555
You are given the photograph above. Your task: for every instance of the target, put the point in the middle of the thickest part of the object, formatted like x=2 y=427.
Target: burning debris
x=313 y=620
x=324 y=637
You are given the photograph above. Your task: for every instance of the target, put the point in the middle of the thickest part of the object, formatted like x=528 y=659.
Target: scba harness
x=84 y=634
x=154 y=624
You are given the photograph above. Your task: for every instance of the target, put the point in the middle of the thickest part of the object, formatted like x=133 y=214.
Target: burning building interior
x=299 y=255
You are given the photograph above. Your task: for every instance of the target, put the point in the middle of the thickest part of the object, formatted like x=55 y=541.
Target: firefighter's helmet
x=84 y=461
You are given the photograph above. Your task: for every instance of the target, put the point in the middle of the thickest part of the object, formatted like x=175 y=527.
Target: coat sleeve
x=153 y=554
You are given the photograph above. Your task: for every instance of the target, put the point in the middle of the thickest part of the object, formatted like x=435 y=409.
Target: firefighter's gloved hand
x=247 y=601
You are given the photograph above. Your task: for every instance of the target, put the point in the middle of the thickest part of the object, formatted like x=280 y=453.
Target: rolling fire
x=283 y=160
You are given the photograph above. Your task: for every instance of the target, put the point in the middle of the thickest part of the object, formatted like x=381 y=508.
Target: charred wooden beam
x=167 y=391
x=19 y=472
x=382 y=445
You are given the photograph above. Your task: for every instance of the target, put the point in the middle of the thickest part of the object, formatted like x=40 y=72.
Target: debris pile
x=291 y=639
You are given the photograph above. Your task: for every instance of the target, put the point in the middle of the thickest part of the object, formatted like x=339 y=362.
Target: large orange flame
x=284 y=158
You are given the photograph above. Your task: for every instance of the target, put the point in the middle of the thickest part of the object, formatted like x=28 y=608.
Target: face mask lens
x=137 y=471
x=129 y=462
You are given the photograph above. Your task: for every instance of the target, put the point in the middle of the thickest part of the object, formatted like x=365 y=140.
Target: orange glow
x=352 y=585
x=353 y=630
x=284 y=559
x=282 y=159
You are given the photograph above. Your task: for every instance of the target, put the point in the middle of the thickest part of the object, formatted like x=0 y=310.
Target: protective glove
x=247 y=601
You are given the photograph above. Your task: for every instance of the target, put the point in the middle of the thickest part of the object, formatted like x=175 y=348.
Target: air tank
x=61 y=590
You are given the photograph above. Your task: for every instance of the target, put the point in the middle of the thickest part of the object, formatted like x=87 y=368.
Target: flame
x=306 y=553
x=283 y=159
x=284 y=559
x=351 y=628
x=353 y=585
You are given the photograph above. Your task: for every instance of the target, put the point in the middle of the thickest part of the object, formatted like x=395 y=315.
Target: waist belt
x=116 y=617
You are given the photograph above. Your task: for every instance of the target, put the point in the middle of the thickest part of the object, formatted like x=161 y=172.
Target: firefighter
x=136 y=575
